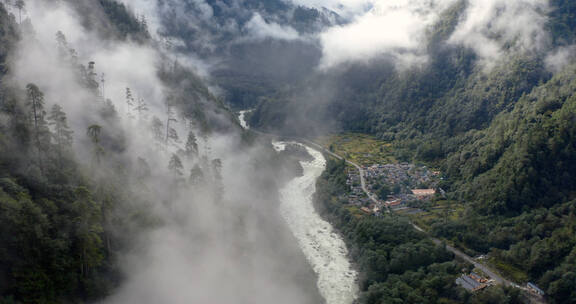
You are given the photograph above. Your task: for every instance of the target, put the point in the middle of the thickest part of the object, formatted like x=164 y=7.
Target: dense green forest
x=55 y=218
x=65 y=218
x=397 y=264
x=517 y=177
x=504 y=138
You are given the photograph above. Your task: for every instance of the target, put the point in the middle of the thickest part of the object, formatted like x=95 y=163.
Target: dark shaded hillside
x=259 y=69
x=562 y=22
x=54 y=231
x=65 y=220
x=396 y=263
x=446 y=97
x=250 y=65
x=525 y=159
x=8 y=36
x=437 y=110
x=505 y=138
x=518 y=179
x=112 y=20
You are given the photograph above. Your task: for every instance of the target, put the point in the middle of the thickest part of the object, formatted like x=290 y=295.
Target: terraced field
x=360 y=148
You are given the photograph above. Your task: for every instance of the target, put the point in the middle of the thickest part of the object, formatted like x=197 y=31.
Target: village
x=394 y=185
x=402 y=187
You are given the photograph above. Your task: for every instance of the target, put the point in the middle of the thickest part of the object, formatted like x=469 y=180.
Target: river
x=324 y=249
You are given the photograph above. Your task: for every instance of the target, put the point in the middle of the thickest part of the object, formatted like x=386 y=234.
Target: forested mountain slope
x=56 y=241
x=502 y=132
x=254 y=48
x=517 y=177
x=74 y=191
x=112 y=147
x=449 y=95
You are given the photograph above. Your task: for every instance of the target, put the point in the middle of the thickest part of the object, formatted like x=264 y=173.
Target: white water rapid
x=324 y=248
x=242 y=118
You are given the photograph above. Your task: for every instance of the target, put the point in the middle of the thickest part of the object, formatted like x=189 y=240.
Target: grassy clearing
x=362 y=149
x=435 y=212
x=355 y=211
x=508 y=270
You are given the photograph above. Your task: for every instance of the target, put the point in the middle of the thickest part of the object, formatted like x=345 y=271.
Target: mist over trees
x=499 y=128
x=107 y=143
x=125 y=177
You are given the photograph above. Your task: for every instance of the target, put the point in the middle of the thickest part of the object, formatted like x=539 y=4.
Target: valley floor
x=364 y=155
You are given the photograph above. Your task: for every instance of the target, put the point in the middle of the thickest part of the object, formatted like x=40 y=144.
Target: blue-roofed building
x=470 y=283
x=464 y=284
x=533 y=288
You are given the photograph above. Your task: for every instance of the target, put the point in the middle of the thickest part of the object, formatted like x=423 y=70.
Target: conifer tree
x=62 y=44
x=94 y=133
x=62 y=134
x=196 y=175
x=175 y=165
x=88 y=242
x=129 y=102
x=218 y=182
x=156 y=126
x=90 y=78
x=20 y=4
x=191 y=148
x=171 y=134
x=35 y=101
x=141 y=107
x=65 y=52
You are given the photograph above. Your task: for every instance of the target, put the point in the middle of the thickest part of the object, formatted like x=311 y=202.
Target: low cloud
x=374 y=28
x=120 y=65
x=557 y=60
x=205 y=249
x=257 y=27
x=394 y=28
x=493 y=28
x=345 y=8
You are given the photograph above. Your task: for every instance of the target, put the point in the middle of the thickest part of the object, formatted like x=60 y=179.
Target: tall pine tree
x=62 y=134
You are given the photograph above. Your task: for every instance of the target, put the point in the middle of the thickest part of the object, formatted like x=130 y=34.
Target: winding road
x=498 y=279
x=360 y=170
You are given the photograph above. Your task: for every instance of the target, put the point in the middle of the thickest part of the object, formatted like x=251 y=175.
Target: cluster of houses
x=408 y=177
x=353 y=181
x=403 y=177
x=404 y=174
x=356 y=195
